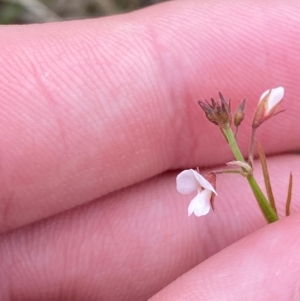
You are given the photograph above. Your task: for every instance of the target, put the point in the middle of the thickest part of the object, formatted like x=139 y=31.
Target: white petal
x=275 y=97
x=193 y=204
x=200 y=204
x=189 y=180
x=186 y=182
x=264 y=94
x=203 y=182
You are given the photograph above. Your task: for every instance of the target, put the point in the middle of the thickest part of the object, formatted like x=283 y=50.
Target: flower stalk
x=268 y=212
x=251 y=148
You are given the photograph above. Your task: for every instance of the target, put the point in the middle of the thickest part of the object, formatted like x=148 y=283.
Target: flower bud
x=209 y=111
x=268 y=105
x=240 y=113
x=217 y=112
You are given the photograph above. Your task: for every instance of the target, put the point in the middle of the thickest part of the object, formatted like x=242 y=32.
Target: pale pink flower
x=268 y=105
x=190 y=180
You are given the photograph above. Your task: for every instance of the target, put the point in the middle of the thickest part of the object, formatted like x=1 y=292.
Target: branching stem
x=268 y=212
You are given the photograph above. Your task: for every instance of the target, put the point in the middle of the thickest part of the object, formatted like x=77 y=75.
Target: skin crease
x=90 y=107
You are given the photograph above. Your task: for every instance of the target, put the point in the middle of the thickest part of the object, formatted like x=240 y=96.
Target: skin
x=97 y=116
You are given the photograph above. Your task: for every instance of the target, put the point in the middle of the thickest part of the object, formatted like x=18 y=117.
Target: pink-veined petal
x=200 y=204
x=186 y=182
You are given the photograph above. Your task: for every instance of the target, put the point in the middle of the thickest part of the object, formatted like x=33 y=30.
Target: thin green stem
x=266 y=208
x=233 y=145
x=268 y=212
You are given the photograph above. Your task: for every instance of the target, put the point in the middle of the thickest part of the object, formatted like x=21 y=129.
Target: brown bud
x=240 y=113
x=217 y=112
x=209 y=112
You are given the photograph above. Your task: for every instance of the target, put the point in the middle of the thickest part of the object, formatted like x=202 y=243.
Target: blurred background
x=40 y=11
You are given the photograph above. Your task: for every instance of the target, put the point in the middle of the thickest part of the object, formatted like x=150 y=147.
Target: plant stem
x=251 y=148
x=268 y=212
x=233 y=145
x=222 y=171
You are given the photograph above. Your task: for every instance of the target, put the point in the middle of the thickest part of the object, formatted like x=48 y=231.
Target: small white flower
x=268 y=105
x=190 y=180
x=273 y=99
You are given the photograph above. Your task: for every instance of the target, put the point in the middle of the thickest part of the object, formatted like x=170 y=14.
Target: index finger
x=88 y=107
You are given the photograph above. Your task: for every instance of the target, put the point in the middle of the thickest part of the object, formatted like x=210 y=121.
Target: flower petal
x=203 y=182
x=193 y=204
x=200 y=204
x=274 y=98
x=186 y=182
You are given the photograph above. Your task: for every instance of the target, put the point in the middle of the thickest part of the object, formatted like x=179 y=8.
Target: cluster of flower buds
x=219 y=112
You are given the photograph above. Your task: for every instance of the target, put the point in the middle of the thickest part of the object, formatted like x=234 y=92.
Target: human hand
x=104 y=110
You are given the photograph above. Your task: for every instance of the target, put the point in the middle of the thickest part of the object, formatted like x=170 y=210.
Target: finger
x=89 y=107
x=131 y=244
x=263 y=266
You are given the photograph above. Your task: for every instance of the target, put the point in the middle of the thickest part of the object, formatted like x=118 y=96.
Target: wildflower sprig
x=219 y=113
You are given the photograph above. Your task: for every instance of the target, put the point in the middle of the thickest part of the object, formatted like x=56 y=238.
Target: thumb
x=262 y=266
